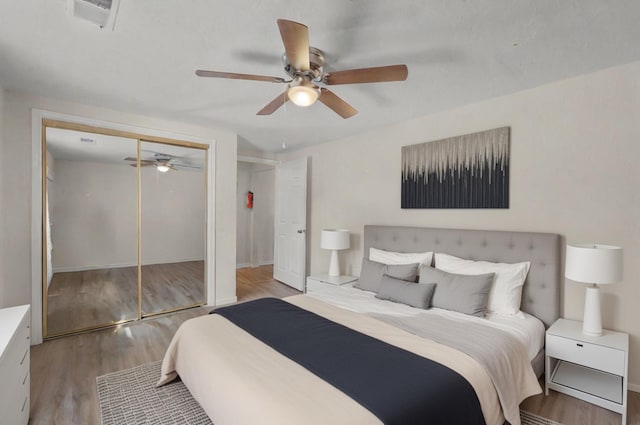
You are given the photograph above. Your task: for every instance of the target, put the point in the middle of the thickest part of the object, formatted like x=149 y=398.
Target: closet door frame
x=39 y=283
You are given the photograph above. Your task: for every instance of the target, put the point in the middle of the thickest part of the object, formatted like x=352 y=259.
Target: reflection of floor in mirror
x=77 y=300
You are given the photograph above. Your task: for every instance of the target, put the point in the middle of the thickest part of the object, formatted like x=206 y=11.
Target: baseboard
x=226 y=301
x=121 y=265
x=634 y=387
x=242 y=265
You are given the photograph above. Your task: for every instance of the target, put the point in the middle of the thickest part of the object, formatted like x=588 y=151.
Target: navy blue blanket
x=397 y=386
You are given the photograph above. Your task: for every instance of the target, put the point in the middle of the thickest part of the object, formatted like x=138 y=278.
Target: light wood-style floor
x=64 y=371
x=77 y=300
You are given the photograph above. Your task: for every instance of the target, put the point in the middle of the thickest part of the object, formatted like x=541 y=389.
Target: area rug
x=130 y=397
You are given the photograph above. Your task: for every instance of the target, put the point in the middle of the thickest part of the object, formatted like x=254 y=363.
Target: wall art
x=470 y=171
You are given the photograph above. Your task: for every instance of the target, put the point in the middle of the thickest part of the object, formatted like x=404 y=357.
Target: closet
x=124 y=226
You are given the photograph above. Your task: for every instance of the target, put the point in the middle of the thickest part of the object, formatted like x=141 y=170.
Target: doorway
x=282 y=231
x=124 y=220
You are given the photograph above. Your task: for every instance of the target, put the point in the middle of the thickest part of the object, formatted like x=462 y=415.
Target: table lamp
x=334 y=239
x=597 y=265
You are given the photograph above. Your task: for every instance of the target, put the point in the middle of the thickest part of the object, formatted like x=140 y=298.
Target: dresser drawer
x=16 y=355
x=591 y=355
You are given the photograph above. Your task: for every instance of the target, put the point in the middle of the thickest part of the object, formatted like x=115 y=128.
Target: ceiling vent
x=100 y=12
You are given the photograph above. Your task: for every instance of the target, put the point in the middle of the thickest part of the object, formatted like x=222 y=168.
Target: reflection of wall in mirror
x=50 y=178
x=94 y=211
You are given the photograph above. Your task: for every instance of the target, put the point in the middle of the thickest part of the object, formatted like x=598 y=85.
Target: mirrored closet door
x=123 y=229
x=92 y=244
x=173 y=226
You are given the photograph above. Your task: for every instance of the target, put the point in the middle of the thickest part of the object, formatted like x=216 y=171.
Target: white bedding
x=529 y=329
x=225 y=367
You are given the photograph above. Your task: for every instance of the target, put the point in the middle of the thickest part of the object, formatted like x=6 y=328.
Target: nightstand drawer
x=318 y=283
x=592 y=355
x=315 y=285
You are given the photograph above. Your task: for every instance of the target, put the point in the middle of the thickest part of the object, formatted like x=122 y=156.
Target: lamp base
x=334 y=265
x=592 y=322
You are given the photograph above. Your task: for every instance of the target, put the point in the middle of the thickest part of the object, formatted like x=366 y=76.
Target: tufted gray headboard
x=541 y=294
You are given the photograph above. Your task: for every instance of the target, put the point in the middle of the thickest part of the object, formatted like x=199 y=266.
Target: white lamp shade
x=594 y=263
x=334 y=239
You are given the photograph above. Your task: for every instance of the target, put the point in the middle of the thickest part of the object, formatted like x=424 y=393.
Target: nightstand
x=323 y=281
x=591 y=368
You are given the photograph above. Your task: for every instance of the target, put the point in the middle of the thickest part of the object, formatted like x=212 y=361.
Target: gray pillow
x=372 y=272
x=467 y=294
x=410 y=293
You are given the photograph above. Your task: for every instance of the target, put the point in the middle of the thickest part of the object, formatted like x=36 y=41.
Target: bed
x=239 y=378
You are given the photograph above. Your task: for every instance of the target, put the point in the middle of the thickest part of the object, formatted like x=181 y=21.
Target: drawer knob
x=579 y=345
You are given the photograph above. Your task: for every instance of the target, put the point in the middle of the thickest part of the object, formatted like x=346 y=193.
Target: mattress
x=528 y=329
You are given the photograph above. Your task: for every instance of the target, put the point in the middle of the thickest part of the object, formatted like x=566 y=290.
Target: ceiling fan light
x=303 y=93
x=163 y=168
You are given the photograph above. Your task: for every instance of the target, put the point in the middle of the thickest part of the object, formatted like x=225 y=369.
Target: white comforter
x=239 y=380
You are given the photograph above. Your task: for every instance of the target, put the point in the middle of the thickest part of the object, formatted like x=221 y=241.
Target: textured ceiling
x=457 y=51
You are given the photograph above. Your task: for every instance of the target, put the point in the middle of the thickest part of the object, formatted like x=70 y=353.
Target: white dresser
x=15 y=332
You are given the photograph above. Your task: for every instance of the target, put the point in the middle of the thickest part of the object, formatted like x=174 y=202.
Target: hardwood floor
x=258 y=282
x=78 y=300
x=64 y=371
x=572 y=411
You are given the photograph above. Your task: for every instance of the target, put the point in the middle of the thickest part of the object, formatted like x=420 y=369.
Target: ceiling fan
x=163 y=162
x=304 y=64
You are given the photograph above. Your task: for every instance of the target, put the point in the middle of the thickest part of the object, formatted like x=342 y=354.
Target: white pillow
x=505 y=295
x=395 y=258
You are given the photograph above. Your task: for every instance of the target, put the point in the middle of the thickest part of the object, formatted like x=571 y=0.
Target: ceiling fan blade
x=338 y=105
x=295 y=37
x=377 y=74
x=274 y=104
x=179 y=164
x=235 y=76
x=143 y=162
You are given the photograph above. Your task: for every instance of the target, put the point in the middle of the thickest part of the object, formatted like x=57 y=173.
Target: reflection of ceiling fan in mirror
x=163 y=162
x=304 y=64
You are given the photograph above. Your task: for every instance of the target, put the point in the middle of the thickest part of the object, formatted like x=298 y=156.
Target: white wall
x=93 y=209
x=254 y=244
x=16 y=174
x=575 y=146
x=244 y=219
x=263 y=184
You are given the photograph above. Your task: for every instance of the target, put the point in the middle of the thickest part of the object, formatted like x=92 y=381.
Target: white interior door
x=290 y=241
